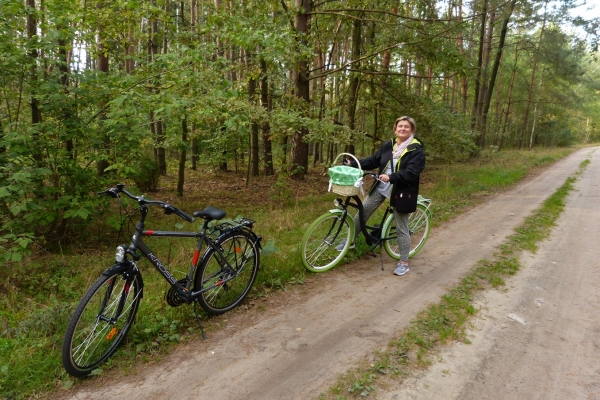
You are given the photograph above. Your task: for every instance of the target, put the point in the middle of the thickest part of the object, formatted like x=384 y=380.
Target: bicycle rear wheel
x=100 y=322
x=227 y=287
x=326 y=242
x=419 y=224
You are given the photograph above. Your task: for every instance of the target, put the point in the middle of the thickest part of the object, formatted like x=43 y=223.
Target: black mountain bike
x=219 y=279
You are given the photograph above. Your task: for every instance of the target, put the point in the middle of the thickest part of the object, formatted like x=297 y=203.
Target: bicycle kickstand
x=198 y=320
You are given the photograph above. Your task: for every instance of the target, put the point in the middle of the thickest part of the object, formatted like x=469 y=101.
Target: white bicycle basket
x=345 y=180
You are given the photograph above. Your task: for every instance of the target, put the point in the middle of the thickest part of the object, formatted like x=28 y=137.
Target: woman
x=400 y=163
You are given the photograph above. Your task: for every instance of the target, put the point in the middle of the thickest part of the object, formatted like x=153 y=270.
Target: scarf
x=400 y=148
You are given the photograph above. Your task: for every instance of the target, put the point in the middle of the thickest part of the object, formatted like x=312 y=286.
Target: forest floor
x=536 y=337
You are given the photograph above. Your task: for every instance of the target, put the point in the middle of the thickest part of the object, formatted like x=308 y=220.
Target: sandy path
x=297 y=349
x=540 y=337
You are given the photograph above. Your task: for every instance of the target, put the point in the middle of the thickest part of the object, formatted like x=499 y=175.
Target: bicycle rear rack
x=238 y=223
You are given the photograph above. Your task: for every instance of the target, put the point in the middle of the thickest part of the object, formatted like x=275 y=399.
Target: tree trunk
x=182 y=157
x=535 y=114
x=253 y=159
x=354 y=83
x=299 y=152
x=484 y=87
x=104 y=150
x=266 y=128
x=479 y=69
x=490 y=90
x=159 y=151
x=509 y=99
x=36 y=115
x=531 y=82
x=194 y=154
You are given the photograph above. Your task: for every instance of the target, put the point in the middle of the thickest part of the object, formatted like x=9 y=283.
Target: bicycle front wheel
x=226 y=284
x=326 y=242
x=100 y=322
x=419 y=224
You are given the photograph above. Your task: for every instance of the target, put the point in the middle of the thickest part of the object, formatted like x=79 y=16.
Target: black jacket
x=407 y=172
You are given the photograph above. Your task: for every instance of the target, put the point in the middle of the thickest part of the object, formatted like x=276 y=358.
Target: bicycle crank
x=173 y=298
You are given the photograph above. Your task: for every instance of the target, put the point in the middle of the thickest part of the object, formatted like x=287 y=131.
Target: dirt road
x=540 y=337
x=537 y=336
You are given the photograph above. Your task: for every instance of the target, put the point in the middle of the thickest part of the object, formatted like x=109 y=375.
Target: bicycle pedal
x=370 y=253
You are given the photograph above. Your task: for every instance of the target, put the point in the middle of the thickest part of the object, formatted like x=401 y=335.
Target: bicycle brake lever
x=112 y=192
x=169 y=209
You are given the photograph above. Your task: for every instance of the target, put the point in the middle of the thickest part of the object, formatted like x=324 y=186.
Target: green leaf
x=4 y=192
x=269 y=248
x=24 y=242
x=17 y=208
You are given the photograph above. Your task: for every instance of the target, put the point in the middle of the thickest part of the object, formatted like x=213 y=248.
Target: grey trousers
x=372 y=203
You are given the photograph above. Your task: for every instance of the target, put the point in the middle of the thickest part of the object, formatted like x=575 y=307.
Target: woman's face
x=403 y=130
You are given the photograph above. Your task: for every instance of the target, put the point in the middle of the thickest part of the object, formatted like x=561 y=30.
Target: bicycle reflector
x=120 y=254
x=337 y=202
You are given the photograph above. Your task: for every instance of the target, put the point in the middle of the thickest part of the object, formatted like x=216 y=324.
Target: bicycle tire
x=419 y=225
x=241 y=251
x=318 y=247
x=93 y=333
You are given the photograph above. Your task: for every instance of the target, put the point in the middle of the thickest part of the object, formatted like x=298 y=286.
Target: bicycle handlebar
x=169 y=209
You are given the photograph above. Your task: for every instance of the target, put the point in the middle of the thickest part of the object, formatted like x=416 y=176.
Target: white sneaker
x=340 y=246
x=401 y=269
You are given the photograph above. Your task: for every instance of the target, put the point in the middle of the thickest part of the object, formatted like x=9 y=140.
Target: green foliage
x=146 y=173
x=446 y=137
x=280 y=191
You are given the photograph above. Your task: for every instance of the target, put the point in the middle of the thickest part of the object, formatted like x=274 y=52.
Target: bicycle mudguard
x=257 y=238
x=117 y=268
x=122 y=268
x=336 y=211
x=425 y=203
x=239 y=224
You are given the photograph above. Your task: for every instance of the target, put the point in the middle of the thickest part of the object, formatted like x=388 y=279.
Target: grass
x=448 y=320
x=38 y=295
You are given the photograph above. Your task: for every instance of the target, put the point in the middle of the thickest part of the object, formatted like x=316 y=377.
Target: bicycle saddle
x=210 y=213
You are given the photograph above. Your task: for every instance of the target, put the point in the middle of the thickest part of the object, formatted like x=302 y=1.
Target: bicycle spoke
x=325 y=242
x=316 y=254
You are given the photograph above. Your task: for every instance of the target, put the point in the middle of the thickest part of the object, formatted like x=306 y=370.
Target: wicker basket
x=343 y=178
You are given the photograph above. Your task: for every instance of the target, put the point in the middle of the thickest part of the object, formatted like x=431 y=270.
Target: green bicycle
x=328 y=238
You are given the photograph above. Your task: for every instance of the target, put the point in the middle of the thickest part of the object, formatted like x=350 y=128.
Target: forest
x=95 y=92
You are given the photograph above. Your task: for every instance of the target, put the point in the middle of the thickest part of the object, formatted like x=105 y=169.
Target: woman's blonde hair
x=411 y=121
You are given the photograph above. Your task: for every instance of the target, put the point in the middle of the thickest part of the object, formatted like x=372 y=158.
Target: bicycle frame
x=372 y=240
x=184 y=292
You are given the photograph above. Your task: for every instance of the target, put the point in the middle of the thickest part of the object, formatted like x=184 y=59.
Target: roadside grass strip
x=448 y=320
